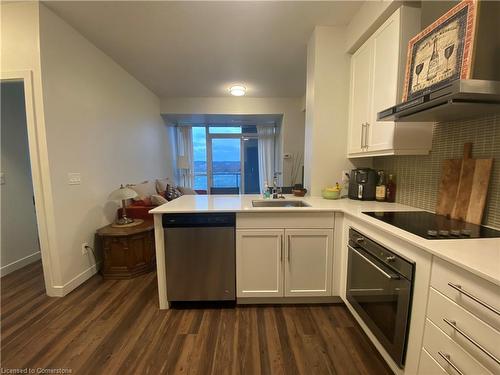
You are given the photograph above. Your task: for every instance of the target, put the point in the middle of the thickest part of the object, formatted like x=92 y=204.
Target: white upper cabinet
x=384 y=83
x=361 y=68
x=377 y=75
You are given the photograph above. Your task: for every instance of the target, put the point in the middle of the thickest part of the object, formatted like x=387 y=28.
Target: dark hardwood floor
x=108 y=327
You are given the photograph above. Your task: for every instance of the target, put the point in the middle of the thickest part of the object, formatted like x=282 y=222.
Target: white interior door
x=308 y=263
x=361 y=66
x=259 y=258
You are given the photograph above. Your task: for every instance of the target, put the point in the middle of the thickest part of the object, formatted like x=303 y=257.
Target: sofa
x=151 y=194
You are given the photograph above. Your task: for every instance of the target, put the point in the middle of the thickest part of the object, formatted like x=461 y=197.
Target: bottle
x=380 y=188
x=433 y=62
x=390 y=190
x=266 y=193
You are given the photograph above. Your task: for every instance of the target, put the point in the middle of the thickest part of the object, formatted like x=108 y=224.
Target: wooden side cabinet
x=127 y=252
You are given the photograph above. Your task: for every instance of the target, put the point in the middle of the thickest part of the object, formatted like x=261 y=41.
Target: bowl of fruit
x=332 y=192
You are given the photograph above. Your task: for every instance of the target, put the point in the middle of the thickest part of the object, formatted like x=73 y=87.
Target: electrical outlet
x=85 y=251
x=345 y=178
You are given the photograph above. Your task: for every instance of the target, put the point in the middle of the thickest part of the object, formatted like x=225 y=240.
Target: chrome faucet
x=277 y=191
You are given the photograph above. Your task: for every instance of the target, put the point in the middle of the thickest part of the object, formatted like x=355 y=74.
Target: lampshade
x=122 y=193
x=182 y=162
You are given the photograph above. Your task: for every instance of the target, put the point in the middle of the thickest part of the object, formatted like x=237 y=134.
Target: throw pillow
x=172 y=192
x=169 y=192
x=161 y=184
x=186 y=190
x=144 y=190
x=158 y=200
x=178 y=193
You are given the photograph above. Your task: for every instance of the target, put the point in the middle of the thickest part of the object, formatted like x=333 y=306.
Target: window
x=224 y=130
x=226 y=158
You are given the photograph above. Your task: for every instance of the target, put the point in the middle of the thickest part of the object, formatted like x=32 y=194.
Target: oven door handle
x=383 y=272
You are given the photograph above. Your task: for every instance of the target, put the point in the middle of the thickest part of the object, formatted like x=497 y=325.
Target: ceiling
x=199 y=48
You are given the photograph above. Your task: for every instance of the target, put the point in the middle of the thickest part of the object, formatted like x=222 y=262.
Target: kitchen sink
x=280 y=203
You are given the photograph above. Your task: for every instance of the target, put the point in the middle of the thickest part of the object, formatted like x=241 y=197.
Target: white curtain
x=266 y=155
x=185 y=155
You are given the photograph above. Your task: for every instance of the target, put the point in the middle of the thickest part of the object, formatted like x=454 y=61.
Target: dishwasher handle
x=198 y=220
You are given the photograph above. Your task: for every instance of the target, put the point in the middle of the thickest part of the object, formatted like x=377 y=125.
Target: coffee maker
x=362 y=183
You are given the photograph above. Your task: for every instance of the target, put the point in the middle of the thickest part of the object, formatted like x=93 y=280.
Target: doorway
x=40 y=189
x=20 y=245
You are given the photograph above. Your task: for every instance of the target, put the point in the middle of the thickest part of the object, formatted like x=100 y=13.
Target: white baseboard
x=62 y=290
x=20 y=263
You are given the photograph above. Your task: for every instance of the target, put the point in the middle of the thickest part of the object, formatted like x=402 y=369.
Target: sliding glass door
x=226 y=159
x=225 y=165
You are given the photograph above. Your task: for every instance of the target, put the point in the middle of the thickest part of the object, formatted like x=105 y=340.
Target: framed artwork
x=442 y=52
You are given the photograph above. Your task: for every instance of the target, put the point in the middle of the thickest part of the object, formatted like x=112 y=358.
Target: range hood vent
x=461 y=99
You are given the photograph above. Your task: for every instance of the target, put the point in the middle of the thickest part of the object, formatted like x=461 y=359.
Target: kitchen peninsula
x=326 y=223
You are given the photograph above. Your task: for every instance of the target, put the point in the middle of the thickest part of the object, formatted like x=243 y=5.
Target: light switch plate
x=74 y=179
x=287 y=156
x=2 y=178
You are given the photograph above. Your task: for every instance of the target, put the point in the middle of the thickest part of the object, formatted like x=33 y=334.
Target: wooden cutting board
x=463 y=187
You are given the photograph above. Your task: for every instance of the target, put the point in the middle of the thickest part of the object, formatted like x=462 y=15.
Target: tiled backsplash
x=417 y=177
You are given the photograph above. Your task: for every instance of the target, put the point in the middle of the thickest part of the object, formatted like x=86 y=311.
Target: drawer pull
x=459 y=289
x=447 y=358
x=453 y=325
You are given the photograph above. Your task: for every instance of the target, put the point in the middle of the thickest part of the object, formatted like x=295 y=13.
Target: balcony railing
x=219 y=180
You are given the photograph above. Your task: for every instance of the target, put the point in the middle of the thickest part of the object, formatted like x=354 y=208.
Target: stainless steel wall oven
x=380 y=289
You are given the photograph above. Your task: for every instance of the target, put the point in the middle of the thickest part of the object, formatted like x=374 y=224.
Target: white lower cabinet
x=284 y=262
x=259 y=262
x=462 y=329
x=429 y=366
x=308 y=266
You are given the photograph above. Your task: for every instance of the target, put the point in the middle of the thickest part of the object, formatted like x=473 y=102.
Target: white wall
x=20 y=53
x=327 y=95
x=101 y=123
x=367 y=20
x=19 y=243
x=292 y=132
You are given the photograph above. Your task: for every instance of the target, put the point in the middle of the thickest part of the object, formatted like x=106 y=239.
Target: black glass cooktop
x=434 y=227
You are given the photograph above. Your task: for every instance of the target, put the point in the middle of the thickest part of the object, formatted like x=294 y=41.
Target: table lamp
x=122 y=194
x=183 y=165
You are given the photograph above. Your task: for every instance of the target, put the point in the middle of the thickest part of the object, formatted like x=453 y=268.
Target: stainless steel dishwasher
x=200 y=256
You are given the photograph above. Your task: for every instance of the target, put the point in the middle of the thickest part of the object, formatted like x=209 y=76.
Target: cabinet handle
x=367 y=125
x=447 y=358
x=281 y=248
x=459 y=289
x=362 y=135
x=388 y=275
x=453 y=325
x=289 y=248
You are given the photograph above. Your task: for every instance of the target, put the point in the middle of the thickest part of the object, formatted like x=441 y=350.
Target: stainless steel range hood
x=460 y=100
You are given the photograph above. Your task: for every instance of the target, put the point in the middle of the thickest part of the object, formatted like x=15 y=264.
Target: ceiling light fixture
x=237 y=90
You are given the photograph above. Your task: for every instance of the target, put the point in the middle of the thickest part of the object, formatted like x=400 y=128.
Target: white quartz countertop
x=479 y=256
